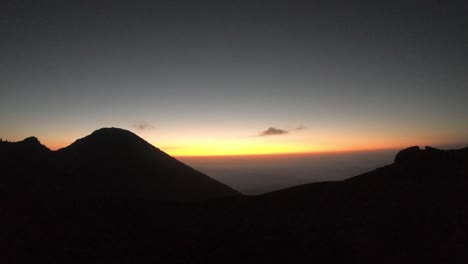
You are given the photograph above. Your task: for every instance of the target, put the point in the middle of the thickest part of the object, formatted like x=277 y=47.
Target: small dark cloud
x=143 y=126
x=273 y=131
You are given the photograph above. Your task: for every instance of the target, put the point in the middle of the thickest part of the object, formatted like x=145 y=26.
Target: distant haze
x=259 y=174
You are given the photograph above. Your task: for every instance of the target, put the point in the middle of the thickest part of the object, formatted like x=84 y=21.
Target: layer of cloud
x=142 y=126
x=272 y=131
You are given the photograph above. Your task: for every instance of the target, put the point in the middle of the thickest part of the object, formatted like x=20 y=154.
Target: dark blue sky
x=353 y=75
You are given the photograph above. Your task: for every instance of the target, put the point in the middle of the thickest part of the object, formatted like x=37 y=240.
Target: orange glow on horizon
x=274 y=153
x=249 y=148
x=222 y=148
x=288 y=146
x=218 y=149
x=205 y=144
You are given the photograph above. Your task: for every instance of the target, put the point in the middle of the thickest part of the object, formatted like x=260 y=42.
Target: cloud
x=273 y=131
x=143 y=126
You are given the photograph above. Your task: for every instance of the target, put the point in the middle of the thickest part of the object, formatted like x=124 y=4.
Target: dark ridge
x=31 y=140
x=412 y=211
x=431 y=163
x=24 y=164
x=30 y=144
x=111 y=162
x=407 y=155
x=109 y=136
x=414 y=155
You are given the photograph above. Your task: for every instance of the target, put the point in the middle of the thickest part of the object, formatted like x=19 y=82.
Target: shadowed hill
x=25 y=167
x=412 y=211
x=415 y=209
x=109 y=163
x=412 y=167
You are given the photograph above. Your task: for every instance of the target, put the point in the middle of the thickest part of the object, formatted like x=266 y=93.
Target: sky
x=201 y=78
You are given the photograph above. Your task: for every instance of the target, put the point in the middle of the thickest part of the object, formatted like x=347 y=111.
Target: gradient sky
x=236 y=77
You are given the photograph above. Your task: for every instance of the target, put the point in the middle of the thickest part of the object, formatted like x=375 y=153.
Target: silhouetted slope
x=415 y=209
x=25 y=164
x=110 y=162
x=412 y=211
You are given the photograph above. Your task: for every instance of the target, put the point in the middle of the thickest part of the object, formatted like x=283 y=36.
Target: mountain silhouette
x=414 y=210
x=109 y=163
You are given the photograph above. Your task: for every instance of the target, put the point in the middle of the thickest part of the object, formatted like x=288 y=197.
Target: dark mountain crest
x=28 y=140
x=113 y=133
x=429 y=157
x=110 y=133
x=432 y=163
x=412 y=166
x=28 y=145
x=113 y=138
x=32 y=140
x=414 y=153
x=110 y=162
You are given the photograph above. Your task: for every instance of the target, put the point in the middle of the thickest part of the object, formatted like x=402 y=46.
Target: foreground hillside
x=412 y=211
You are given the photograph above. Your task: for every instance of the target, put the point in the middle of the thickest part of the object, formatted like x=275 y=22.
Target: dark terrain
x=65 y=207
x=109 y=163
